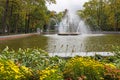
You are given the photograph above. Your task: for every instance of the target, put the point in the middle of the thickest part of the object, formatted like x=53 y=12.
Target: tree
x=23 y=15
x=4 y=17
x=102 y=14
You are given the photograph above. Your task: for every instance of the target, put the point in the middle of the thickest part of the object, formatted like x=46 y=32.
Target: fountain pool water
x=54 y=44
x=81 y=45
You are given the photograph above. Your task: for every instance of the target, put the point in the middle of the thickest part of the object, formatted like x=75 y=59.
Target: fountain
x=72 y=24
x=65 y=44
x=52 y=26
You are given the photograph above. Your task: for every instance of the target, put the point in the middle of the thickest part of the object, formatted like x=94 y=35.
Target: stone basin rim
x=69 y=33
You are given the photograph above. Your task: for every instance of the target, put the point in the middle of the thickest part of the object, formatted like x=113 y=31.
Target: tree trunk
x=115 y=18
x=98 y=17
x=27 y=23
x=4 y=24
x=16 y=23
x=10 y=18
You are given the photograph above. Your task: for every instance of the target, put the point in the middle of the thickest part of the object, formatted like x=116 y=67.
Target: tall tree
x=4 y=18
x=103 y=14
x=23 y=15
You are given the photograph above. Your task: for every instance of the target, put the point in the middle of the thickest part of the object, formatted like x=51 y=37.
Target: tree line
x=102 y=14
x=23 y=15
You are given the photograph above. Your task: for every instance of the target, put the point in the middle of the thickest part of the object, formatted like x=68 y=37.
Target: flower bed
x=35 y=64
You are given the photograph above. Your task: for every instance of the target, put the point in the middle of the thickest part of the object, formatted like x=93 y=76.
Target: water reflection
x=36 y=41
x=82 y=43
x=102 y=43
x=67 y=44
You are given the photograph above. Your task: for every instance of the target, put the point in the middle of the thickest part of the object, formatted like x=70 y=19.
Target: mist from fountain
x=72 y=23
x=56 y=24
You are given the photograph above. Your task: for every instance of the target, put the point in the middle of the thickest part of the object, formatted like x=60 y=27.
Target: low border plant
x=84 y=68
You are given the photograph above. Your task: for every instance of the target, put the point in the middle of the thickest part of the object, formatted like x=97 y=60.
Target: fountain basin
x=81 y=54
x=69 y=33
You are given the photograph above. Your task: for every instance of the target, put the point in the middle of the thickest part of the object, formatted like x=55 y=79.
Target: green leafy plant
x=33 y=58
x=111 y=72
x=36 y=64
x=11 y=71
x=116 y=51
x=51 y=73
x=85 y=68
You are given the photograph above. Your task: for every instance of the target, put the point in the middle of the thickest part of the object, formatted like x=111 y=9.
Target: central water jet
x=72 y=24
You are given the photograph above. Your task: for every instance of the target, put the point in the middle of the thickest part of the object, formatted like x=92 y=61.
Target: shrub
x=32 y=58
x=10 y=71
x=116 y=51
x=111 y=72
x=85 y=68
x=35 y=64
x=51 y=73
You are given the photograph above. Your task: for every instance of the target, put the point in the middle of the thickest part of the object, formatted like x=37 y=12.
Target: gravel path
x=16 y=36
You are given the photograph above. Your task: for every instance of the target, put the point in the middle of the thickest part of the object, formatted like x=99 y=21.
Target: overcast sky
x=71 y=5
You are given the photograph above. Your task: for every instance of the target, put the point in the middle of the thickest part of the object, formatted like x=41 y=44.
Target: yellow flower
x=53 y=70
x=14 y=68
x=111 y=65
x=26 y=70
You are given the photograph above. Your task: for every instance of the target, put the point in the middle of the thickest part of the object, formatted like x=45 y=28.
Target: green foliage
x=85 y=68
x=10 y=71
x=117 y=56
x=51 y=73
x=111 y=72
x=33 y=58
x=36 y=64
x=23 y=15
x=102 y=14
